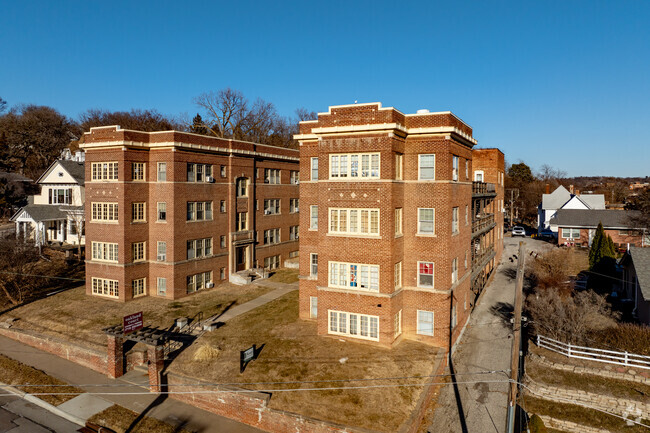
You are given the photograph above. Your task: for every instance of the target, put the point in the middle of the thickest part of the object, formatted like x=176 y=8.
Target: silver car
x=518 y=231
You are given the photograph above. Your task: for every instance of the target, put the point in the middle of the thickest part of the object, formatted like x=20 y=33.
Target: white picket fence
x=591 y=354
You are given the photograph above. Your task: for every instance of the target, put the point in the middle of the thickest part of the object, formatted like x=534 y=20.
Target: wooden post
x=516 y=341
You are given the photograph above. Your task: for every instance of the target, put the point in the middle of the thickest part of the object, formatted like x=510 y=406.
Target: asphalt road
x=479 y=402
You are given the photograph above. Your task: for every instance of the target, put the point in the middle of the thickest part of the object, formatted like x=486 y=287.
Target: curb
x=43 y=404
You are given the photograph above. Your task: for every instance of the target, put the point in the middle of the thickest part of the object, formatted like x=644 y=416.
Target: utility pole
x=516 y=341
x=512 y=205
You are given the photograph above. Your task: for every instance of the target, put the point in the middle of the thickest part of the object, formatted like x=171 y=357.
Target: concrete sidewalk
x=156 y=406
x=280 y=289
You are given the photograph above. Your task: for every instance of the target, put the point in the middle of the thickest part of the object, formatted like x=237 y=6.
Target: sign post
x=132 y=322
x=246 y=356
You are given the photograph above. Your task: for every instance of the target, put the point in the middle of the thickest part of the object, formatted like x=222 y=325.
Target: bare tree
x=17 y=263
x=305 y=114
x=140 y=120
x=3 y=105
x=224 y=110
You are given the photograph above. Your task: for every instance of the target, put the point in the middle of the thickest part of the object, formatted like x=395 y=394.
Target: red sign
x=132 y=322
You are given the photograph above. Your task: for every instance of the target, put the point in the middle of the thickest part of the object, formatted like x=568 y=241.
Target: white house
x=56 y=215
x=562 y=198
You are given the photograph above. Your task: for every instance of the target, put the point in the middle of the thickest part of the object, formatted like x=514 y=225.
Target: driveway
x=479 y=402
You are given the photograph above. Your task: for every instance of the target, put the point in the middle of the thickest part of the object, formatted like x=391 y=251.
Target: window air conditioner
x=209 y=179
x=161 y=258
x=209 y=285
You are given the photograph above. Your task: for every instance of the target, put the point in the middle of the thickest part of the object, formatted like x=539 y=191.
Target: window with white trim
x=104 y=251
x=359 y=222
x=241 y=185
x=478 y=176
x=222 y=171
x=106 y=171
x=354 y=165
x=425 y=274
x=453 y=317
x=425 y=323
x=426 y=221
x=162 y=172
x=314 y=169
x=313 y=307
x=272 y=262
x=454 y=221
x=104 y=212
x=272 y=176
x=138 y=287
x=222 y=241
x=354 y=276
x=313 y=265
x=199 y=172
x=161 y=255
x=138 y=251
x=294 y=178
x=199 y=210
x=399 y=160
x=454 y=270
x=293 y=205
x=138 y=212
x=162 y=211
x=313 y=217
x=222 y=273
x=271 y=236
x=161 y=286
x=272 y=206
x=466 y=214
x=105 y=287
x=222 y=206
x=398 y=221
x=398 y=275
x=570 y=233
x=60 y=196
x=397 y=324
x=242 y=221
x=199 y=248
x=466 y=259
x=293 y=233
x=466 y=169
x=198 y=281
x=137 y=171
x=455 y=167
x=353 y=325
x=427 y=167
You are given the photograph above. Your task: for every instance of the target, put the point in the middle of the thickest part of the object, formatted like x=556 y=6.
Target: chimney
x=577 y=192
x=571 y=189
x=548 y=188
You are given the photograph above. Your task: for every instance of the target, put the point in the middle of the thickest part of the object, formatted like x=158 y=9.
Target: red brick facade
x=344 y=135
x=228 y=161
x=621 y=238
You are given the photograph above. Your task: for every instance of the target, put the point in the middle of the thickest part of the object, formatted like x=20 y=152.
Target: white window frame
x=139 y=212
x=161 y=173
x=198 y=173
x=194 y=208
x=313 y=264
x=105 y=287
x=340 y=275
x=138 y=171
x=397 y=276
x=104 y=171
x=313 y=173
x=420 y=167
x=455 y=168
x=478 y=173
x=398 y=222
x=313 y=307
x=139 y=285
x=313 y=217
x=105 y=252
x=271 y=236
x=139 y=251
x=420 y=329
x=433 y=274
x=340 y=221
x=571 y=231
x=161 y=208
x=272 y=206
x=272 y=262
x=294 y=205
x=241 y=187
x=397 y=324
x=294 y=177
x=161 y=286
x=420 y=221
x=455 y=226
x=399 y=166
x=353 y=325
x=272 y=176
x=104 y=212
x=242 y=221
x=454 y=270
x=161 y=251
x=366 y=167
x=294 y=233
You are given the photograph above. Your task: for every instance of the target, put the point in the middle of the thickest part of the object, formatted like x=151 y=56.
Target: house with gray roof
x=577 y=227
x=56 y=214
x=562 y=198
x=636 y=281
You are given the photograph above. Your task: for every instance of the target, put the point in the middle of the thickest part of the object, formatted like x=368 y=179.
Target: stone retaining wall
x=569 y=426
x=630 y=409
x=629 y=374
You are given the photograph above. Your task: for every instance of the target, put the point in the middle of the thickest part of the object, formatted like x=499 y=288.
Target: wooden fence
x=599 y=355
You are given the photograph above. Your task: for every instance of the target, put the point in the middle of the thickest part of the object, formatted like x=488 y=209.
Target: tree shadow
x=452 y=371
x=504 y=311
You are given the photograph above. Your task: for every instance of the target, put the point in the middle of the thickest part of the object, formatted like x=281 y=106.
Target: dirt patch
x=120 y=419
x=16 y=373
x=580 y=415
x=74 y=316
x=294 y=355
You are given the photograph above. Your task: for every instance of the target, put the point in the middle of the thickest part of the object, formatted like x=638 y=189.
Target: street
x=480 y=401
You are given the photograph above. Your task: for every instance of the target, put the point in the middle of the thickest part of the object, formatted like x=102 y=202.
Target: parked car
x=547 y=235
x=518 y=231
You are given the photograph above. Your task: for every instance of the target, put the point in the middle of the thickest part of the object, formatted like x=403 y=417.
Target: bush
x=624 y=337
x=205 y=353
x=536 y=425
x=551 y=269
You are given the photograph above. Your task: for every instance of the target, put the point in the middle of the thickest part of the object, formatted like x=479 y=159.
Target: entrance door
x=241 y=259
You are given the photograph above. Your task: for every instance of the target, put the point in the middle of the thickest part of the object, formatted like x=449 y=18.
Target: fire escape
x=483 y=223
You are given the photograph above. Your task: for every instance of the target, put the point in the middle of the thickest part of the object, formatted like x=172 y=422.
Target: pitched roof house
x=578 y=227
x=636 y=281
x=562 y=198
x=56 y=214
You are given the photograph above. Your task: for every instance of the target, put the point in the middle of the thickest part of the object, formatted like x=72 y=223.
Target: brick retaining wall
x=63 y=349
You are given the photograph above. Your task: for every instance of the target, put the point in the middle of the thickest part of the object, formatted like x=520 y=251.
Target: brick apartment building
x=397 y=238
x=171 y=213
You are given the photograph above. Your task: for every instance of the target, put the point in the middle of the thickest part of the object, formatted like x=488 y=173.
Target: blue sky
x=564 y=83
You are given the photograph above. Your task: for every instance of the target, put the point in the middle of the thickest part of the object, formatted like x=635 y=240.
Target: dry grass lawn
x=14 y=373
x=74 y=316
x=119 y=419
x=285 y=275
x=580 y=415
x=293 y=352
